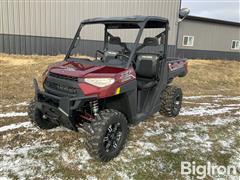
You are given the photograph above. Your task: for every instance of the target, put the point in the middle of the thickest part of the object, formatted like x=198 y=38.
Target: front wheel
x=109 y=137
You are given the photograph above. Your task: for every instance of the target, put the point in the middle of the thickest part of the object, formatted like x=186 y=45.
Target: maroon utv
x=118 y=78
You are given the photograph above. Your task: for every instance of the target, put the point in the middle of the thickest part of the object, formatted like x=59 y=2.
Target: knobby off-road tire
x=97 y=144
x=36 y=117
x=171 y=101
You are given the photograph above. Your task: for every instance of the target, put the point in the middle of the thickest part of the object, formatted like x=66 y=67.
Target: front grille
x=63 y=76
x=61 y=87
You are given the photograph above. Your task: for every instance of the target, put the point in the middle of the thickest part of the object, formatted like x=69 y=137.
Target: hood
x=80 y=70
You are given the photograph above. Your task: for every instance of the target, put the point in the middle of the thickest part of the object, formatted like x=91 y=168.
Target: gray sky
x=218 y=9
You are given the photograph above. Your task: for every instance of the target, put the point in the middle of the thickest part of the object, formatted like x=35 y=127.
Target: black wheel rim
x=112 y=137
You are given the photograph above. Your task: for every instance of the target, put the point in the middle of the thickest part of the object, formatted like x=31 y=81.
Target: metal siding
x=1 y=44
x=27 y=27
x=1 y=29
x=5 y=26
x=52 y=18
x=37 y=20
x=34 y=20
x=209 y=36
x=22 y=26
x=205 y=54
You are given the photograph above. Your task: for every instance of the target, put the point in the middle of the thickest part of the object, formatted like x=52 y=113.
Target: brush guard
x=59 y=109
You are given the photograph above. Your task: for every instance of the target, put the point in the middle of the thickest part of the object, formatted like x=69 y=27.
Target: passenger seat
x=147 y=70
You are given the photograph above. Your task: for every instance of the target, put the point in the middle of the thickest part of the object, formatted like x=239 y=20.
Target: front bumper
x=59 y=110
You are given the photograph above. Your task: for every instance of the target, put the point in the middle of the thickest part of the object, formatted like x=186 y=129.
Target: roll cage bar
x=132 y=22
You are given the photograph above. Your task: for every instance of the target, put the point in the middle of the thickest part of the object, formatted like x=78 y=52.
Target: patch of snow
x=123 y=159
x=231 y=98
x=203 y=141
x=199 y=139
x=189 y=127
x=18 y=161
x=4 y=178
x=83 y=156
x=24 y=103
x=222 y=121
x=168 y=137
x=200 y=97
x=193 y=102
x=59 y=128
x=15 y=126
x=181 y=134
x=13 y=114
x=145 y=147
x=226 y=143
x=232 y=105
x=91 y=177
x=24 y=150
x=65 y=156
x=123 y=175
x=237 y=113
x=79 y=157
x=175 y=150
x=205 y=110
x=150 y=132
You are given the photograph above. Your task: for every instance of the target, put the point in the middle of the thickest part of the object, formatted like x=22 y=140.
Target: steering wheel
x=123 y=55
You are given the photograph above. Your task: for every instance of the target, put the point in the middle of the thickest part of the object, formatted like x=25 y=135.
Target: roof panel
x=128 y=21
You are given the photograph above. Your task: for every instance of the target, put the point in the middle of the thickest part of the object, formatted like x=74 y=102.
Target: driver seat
x=147 y=65
x=109 y=54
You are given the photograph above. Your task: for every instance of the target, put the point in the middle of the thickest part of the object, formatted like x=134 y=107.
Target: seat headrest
x=150 y=41
x=115 y=40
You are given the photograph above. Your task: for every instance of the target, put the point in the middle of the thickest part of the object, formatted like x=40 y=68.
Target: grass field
x=207 y=129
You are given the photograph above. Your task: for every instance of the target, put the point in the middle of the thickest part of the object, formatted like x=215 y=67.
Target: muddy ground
x=207 y=129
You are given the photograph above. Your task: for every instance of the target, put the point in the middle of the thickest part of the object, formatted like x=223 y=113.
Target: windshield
x=96 y=46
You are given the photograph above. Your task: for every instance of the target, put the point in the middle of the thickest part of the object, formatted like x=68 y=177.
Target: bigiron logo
x=209 y=169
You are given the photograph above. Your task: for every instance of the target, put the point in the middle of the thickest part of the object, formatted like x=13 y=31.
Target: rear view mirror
x=184 y=12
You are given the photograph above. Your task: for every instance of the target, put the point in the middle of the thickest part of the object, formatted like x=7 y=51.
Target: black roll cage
x=154 y=22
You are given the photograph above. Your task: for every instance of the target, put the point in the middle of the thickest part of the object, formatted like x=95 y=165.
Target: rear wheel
x=37 y=118
x=171 y=101
x=109 y=137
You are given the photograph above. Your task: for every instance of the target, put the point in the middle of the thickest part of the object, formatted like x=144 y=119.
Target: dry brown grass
x=204 y=77
x=17 y=73
x=211 y=77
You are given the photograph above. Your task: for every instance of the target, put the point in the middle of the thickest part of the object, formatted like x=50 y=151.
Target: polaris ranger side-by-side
x=106 y=90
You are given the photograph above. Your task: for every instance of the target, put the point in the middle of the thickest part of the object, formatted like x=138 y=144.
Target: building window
x=235 y=44
x=188 y=40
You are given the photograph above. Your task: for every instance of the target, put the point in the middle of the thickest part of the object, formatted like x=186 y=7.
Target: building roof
x=153 y=21
x=218 y=21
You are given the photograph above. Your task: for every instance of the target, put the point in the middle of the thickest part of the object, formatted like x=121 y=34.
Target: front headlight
x=100 y=82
